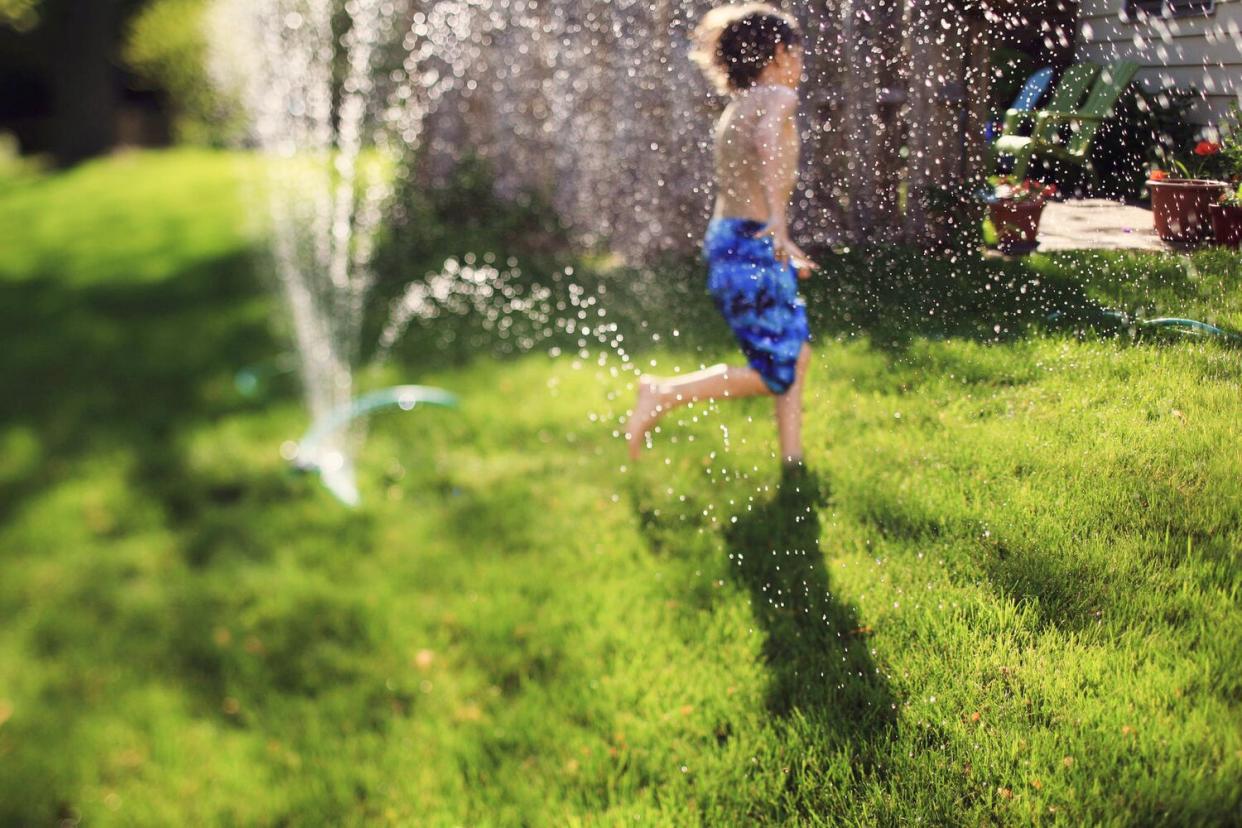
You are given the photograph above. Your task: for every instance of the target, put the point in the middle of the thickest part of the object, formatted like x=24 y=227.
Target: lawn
x=1006 y=590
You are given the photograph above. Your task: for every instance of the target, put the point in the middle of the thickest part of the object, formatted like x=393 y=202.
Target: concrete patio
x=1094 y=223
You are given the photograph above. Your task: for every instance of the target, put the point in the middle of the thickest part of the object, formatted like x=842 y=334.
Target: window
x=1169 y=8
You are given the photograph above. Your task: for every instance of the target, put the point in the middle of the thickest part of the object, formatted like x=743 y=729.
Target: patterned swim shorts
x=758 y=297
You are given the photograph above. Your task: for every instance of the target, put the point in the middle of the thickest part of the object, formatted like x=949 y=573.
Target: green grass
x=1006 y=592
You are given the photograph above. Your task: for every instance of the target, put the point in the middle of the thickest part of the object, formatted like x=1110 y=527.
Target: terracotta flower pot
x=1017 y=222
x=1227 y=225
x=1181 y=207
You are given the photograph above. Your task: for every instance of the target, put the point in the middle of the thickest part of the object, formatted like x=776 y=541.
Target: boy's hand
x=804 y=266
x=787 y=251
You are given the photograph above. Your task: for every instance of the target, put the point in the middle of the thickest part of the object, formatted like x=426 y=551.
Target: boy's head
x=734 y=45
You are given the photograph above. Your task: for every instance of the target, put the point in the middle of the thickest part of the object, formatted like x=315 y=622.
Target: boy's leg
x=789 y=412
x=659 y=395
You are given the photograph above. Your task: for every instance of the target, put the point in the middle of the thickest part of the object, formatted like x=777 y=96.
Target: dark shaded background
x=64 y=88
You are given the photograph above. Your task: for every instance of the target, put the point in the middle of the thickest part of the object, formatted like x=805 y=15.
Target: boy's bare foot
x=647 y=411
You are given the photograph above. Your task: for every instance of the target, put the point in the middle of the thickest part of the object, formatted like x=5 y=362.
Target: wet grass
x=1005 y=592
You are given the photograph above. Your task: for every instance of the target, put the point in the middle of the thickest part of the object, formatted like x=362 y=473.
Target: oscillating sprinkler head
x=315 y=452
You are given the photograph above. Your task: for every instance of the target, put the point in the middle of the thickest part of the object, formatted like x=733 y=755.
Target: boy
x=752 y=52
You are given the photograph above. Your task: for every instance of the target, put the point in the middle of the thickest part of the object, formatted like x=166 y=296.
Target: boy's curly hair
x=733 y=44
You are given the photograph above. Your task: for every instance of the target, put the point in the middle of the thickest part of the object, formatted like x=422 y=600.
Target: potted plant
x=1015 y=209
x=1227 y=214
x=1181 y=206
x=1227 y=220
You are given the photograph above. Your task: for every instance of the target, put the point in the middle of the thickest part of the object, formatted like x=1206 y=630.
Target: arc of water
x=1190 y=326
x=334 y=467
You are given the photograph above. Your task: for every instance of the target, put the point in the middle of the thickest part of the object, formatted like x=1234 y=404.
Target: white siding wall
x=1200 y=52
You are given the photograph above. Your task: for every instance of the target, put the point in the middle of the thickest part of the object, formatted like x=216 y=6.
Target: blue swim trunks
x=758 y=297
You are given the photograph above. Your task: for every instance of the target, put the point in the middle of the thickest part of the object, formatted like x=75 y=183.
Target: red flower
x=1205 y=148
x=1159 y=175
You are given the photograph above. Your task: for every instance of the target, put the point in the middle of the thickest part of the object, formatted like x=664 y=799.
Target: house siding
x=1200 y=52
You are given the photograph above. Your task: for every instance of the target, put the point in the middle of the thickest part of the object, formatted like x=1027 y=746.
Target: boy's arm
x=778 y=167
x=777 y=159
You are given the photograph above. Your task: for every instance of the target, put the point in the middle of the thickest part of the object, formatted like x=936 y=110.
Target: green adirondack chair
x=1068 y=94
x=1047 y=139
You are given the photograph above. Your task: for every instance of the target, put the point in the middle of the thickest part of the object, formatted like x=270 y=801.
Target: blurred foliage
x=20 y=14
x=62 y=91
x=13 y=167
x=1231 y=144
x=1010 y=70
x=1168 y=110
x=958 y=211
x=1146 y=129
x=166 y=44
x=431 y=222
x=1214 y=153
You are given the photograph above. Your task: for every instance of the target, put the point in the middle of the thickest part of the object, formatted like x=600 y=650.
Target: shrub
x=20 y=14
x=1231 y=144
x=1010 y=70
x=13 y=166
x=1147 y=129
x=167 y=46
x=1212 y=153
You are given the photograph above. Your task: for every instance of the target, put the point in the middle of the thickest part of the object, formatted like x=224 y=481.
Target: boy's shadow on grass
x=816 y=648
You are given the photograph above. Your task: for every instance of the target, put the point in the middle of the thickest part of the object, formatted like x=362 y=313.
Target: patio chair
x=1071 y=89
x=1032 y=91
x=1047 y=139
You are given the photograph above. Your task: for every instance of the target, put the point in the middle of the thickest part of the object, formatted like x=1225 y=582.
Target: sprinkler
x=1189 y=327
x=334 y=467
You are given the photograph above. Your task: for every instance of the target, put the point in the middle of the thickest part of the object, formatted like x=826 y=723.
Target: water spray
x=1189 y=327
x=315 y=452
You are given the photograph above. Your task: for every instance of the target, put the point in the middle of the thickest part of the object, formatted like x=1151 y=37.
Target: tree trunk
x=948 y=53
x=871 y=42
x=818 y=214
x=85 y=101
